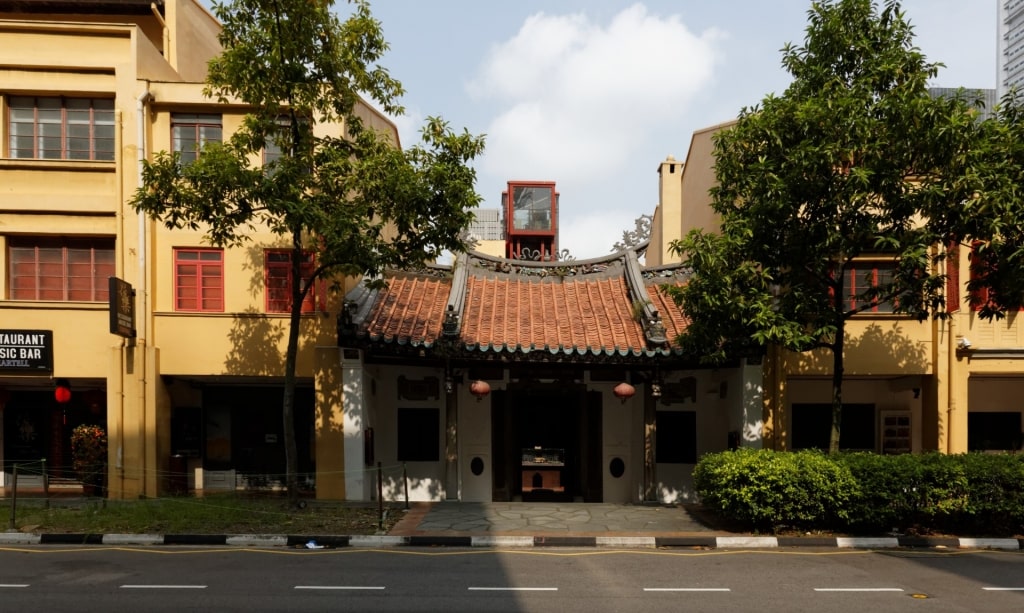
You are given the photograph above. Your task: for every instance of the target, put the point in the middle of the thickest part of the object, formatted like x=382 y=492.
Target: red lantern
x=624 y=391
x=62 y=393
x=479 y=389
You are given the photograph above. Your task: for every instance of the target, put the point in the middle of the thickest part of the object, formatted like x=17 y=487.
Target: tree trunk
x=291 y=452
x=837 y=386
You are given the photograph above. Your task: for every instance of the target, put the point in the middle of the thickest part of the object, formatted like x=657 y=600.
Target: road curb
x=510 y=541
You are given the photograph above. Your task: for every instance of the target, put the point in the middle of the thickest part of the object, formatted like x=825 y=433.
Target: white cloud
x=575 y=99
x=592 y=236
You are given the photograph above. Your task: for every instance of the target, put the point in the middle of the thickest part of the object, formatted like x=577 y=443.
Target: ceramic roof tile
x=521 y=312
x=671 y=315
x=554 y=314
x=410 y=310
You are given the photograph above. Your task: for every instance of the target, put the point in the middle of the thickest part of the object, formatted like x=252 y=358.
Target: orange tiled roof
x=673 y=318
x=560 y=314
x=410 y=310
x=581 y=314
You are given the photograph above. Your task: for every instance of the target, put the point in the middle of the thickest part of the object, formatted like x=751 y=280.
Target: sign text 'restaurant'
x=26 y=351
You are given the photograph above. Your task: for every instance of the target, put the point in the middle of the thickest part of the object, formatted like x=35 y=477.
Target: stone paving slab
x=577 y=518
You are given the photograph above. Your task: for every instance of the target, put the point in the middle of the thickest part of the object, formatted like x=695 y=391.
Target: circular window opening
x=476 y=466
x=617 y=467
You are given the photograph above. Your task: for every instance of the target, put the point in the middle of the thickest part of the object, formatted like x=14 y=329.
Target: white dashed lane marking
x=162 y=587
x=687 y=589
x=513 y=589
x=339 y=587
x=857 y=589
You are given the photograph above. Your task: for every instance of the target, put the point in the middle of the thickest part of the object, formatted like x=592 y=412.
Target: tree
x=990 y=223
x=358 y=202
x=845 y=165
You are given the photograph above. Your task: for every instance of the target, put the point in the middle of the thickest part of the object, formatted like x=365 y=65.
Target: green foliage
x=358 y=201
x=992 y=220
x=907 y=492
x=767 y=490
x=843 y=165
x=89 y=453
x=866 y=493
x=996 y=504
x=211 y=514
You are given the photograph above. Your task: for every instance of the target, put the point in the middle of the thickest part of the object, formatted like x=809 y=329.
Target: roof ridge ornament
x=450 y=327
x=649 y=318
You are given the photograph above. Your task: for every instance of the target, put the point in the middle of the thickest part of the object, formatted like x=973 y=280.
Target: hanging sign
x=122 y=308
x=26 y=351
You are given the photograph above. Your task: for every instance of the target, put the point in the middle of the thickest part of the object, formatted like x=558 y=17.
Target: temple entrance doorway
x=546 y=443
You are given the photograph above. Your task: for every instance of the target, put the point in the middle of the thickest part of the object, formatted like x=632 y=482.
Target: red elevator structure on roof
x=531 y=220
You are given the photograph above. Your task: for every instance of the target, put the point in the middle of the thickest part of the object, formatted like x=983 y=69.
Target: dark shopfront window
x=243 y=429
x=812 y=427
x=37 y=427
x=994 y=431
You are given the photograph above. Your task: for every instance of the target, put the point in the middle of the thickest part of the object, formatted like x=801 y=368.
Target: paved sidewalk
x=519 y=525
x=547 y=519
x=548 y=524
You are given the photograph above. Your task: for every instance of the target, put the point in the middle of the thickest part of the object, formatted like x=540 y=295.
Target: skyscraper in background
x=1010 y=46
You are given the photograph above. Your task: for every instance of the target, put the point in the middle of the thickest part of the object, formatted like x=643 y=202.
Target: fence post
x=46 y=486
x=380 y=497
x=14 y=500
x=405 y=481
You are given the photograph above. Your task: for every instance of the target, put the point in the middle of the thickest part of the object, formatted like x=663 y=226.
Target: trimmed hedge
x=766 y=490
x=863 y=493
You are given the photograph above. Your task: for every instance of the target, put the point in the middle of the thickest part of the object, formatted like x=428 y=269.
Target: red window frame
x=199 y=280
x=880 y=271
x=197 y=129
x=278 y=281
x=60 y=128
x=979 y=298
x=978 y=268
x=60 y=269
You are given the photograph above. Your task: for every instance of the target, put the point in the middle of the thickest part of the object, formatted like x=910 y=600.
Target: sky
x=595 y=94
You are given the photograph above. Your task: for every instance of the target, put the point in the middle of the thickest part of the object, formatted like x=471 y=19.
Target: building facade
x=494 y=378
x=948 y=386
x=1010 y=46
x=189 y=384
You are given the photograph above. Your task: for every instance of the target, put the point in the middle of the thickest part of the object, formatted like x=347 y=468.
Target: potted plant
x=89 y=456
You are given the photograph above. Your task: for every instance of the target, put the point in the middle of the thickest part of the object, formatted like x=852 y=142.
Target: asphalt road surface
x=447 y=580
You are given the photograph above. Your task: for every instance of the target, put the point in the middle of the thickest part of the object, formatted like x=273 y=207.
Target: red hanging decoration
x=624 y=391
x=62 y=393
x=479 y=388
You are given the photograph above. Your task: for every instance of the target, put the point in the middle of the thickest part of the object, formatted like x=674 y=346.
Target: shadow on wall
x=258 y=342
x=674 y=483
x=419 y=488
x=887 y=350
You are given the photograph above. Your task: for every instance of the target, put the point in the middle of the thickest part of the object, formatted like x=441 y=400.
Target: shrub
x=996 y=503
x=970 y=494
x=89 y=454
x=768 y=490
x=907 y=493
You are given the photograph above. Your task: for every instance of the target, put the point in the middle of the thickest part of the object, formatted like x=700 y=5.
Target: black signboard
x=26 y=351
x=122 y=308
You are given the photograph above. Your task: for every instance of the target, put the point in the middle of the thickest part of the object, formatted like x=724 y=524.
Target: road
x=448 y=580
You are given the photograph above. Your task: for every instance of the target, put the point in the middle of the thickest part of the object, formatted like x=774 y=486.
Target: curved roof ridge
x=604 y=259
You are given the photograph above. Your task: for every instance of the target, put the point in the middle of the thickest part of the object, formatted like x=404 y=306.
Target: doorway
x=546 y=444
